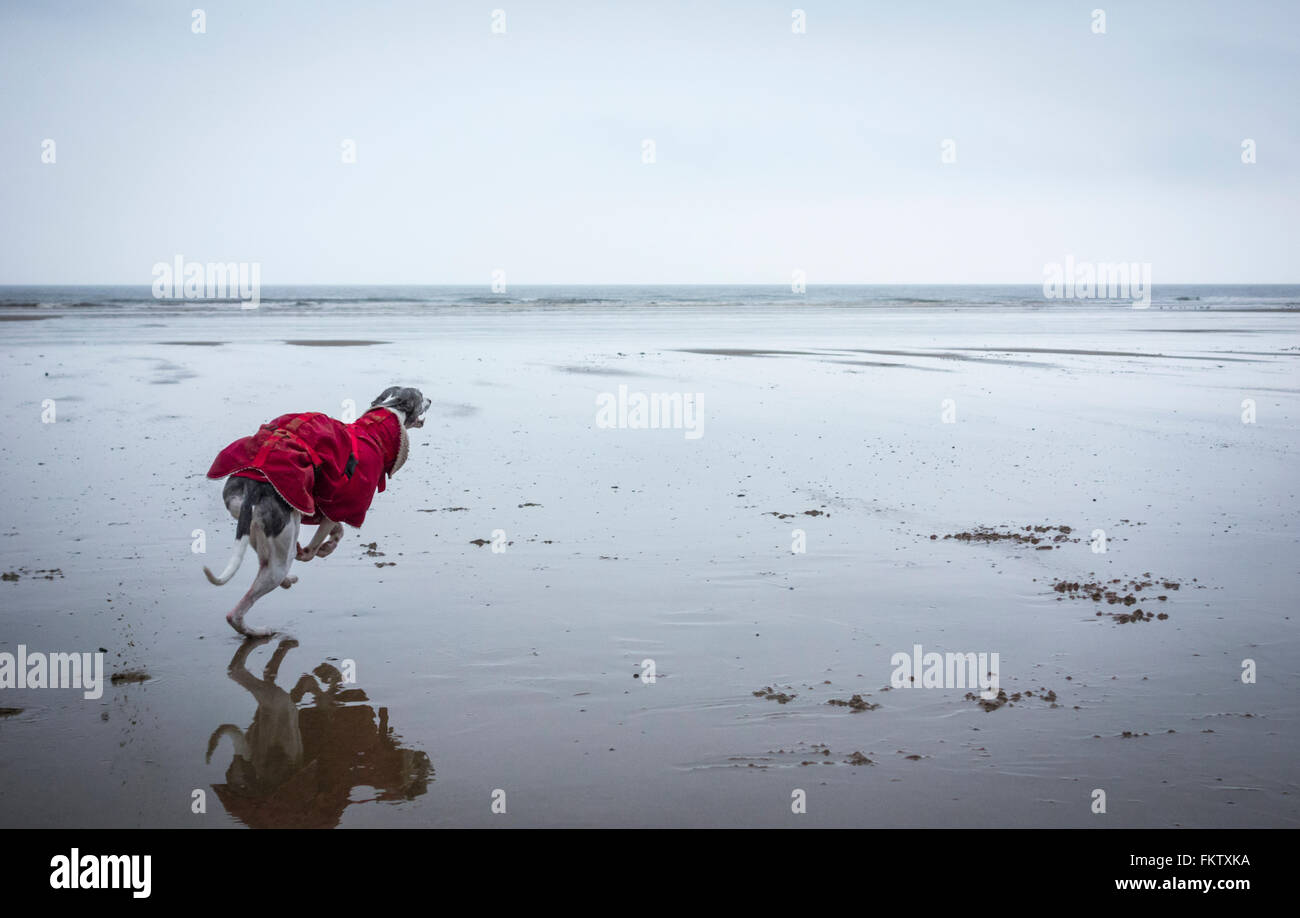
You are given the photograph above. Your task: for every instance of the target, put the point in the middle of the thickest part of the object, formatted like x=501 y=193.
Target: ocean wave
x=568 y=301
x=307 y=301
x=356 y=299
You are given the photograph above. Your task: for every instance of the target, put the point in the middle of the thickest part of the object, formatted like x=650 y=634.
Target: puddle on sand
x=309 y=747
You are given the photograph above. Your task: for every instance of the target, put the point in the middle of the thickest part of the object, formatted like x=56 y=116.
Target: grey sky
x=523 y=151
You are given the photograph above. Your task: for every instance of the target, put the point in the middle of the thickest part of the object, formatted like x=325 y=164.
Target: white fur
x=274 y=558
x=236 y=559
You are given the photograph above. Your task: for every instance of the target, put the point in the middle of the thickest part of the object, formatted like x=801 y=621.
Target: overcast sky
x=523 y=151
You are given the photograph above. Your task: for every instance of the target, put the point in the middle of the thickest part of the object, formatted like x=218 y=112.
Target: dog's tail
x=241 y=533
x=235 y=560
x=236 y=737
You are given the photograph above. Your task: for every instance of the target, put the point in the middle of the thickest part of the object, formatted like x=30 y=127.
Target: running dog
x=307 y=469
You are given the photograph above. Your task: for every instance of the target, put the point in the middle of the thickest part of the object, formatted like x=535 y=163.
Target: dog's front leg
x=304 y=685
x=335 y=534
x=313 y=548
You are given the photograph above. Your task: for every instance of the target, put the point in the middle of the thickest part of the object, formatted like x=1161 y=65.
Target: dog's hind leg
x=262 y=583
x=289 y=547
x=274 y=556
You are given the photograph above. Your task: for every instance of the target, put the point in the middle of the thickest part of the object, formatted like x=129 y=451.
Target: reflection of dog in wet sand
x=307 y=469
x=296 y=767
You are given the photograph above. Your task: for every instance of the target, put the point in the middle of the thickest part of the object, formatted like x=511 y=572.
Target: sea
x=418 y=300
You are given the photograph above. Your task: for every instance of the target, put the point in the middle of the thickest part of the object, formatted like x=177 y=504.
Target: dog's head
x=411 y=402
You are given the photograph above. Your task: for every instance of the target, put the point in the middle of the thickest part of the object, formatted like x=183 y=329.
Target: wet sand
x=524 y=670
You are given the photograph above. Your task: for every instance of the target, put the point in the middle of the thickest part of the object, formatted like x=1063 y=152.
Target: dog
x=307 y=469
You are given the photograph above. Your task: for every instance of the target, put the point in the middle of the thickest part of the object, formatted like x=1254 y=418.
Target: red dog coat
x=320 y=465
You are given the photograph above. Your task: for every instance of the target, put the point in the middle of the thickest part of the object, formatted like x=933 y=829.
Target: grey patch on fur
x=257 y=497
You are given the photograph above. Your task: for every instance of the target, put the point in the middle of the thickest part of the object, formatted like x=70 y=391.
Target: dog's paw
x=288 y=582
x=239 y=626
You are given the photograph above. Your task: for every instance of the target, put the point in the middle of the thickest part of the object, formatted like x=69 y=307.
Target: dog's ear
x=387 y=398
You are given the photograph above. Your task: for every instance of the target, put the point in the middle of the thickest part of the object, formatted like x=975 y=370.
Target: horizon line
x=488 y=286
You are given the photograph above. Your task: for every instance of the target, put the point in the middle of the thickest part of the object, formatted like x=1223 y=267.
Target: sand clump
x=1043 y=538
x=856 y=704
x=1119 y=592
x=53 y=573
x=1003 y=699
x=771 y=694
x=817 y=754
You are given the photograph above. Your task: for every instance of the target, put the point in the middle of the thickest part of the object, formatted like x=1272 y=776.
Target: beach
x=556 y=619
